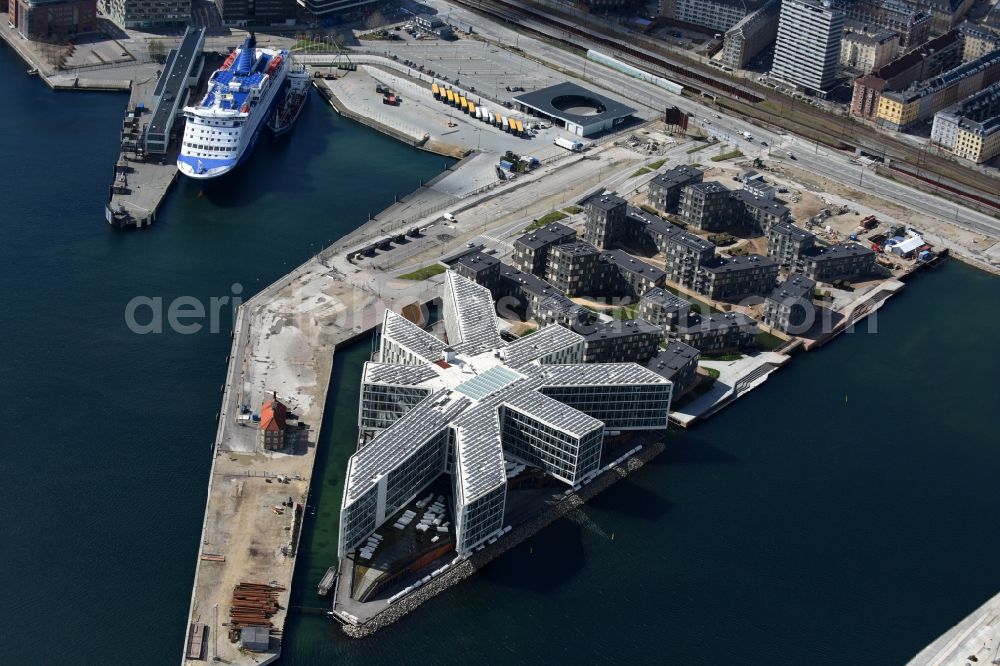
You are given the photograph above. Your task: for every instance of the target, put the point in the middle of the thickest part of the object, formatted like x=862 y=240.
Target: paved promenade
x=974 y=640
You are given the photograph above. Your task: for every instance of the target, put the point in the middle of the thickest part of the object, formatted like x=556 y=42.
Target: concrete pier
x=974 y=640
x=139 y=186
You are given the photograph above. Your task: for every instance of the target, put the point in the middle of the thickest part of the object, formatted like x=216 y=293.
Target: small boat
x=291 y=106
x=33 y=71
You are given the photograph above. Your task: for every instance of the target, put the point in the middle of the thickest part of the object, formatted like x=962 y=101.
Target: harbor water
x=843 y=513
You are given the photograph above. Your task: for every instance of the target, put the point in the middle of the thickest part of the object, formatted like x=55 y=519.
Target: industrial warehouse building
x=581 y=111
x=468 y=407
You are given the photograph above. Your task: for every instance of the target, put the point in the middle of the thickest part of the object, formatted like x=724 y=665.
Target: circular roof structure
x=572 y=103
x=578 y=105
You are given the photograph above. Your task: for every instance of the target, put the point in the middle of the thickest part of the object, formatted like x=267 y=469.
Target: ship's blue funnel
x=245 y=61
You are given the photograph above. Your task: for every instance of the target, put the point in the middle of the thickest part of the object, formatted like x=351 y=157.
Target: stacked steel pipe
x=253 y=605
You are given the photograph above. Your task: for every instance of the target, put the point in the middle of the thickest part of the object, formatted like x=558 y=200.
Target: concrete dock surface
x=974 y=640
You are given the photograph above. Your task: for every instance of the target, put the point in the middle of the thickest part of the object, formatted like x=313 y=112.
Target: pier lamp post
x=215 y=635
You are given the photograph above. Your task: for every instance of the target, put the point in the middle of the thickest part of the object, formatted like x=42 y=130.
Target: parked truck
x=568 y=144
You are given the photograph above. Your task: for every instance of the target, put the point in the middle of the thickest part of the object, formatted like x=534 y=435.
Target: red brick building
x=271 y=435
x=55 y=20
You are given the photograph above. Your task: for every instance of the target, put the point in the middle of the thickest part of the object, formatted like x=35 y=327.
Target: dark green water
x=844 y=513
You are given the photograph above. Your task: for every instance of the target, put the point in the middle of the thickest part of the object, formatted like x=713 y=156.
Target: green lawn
x=701 y=147
x=626 y=312
x=768 y=341
x=727 y=156
x=713 y=372
x=641 y=172
x=721 y=357
x=548 y=218
x=425 y=272
x=657 y=164
x=573 y=210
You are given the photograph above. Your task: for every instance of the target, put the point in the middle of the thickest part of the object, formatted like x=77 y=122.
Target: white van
x=450 y=217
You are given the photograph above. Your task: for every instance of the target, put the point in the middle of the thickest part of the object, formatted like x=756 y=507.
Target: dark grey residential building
x=605 y=220
x=522 y=294
x=786 y=243
x=573 y=267
x=580 y=268
x=481 y=268
x=665 y=188
x=678 y=363
x=789 y=308
x=644 y=229
x=846 y=261
x=634 y=340
x=531 y=249
x=760 y=212
x=718 y=333
x=623 y=275
x=708 y=206
x=685 y=253
x=663 y=308
x=731 y=279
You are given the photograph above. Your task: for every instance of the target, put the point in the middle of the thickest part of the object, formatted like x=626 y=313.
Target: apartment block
x=708 y=206
x=912 y=24
x=664 y=309
x=634 y=340
x=758 y=210
x=678 y=363
x=605 y=221
x=732 y=279
x=531 y=249
x=685 y=253
x=786 y=243
x=929 y=59
x=148 y=13
x=56 y=21
x=846 y=261
x=971 y=128
x=256 y=12
x=718 y=333
x=789 y=308
x=945 y=14
x=808 y=44
x=529 y=296
x=977 y=41
x=867 y=53
x=751 y=35
x=481 y=268
x=902 y=110
x=665 y=188
x=718 y=15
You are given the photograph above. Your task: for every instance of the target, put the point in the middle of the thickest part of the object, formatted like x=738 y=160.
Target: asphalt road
x=835 y=166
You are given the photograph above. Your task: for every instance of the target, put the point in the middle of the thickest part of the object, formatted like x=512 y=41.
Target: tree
x=156 y=50
x=374 y=20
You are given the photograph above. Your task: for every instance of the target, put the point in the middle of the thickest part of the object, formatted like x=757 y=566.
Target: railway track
x=967 y=183
x=658 y=64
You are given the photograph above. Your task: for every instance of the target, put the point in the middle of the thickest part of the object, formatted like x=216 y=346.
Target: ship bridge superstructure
x=467 y=406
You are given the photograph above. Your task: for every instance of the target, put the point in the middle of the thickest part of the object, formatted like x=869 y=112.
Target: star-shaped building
x=466 y=406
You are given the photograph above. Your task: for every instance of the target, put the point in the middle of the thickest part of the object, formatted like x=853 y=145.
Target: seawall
x=467 y=567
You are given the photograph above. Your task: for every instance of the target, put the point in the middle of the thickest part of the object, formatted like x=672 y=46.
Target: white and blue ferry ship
x=222 y=129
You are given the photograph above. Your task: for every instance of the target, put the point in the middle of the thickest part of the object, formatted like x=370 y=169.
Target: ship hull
x=221 y=132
